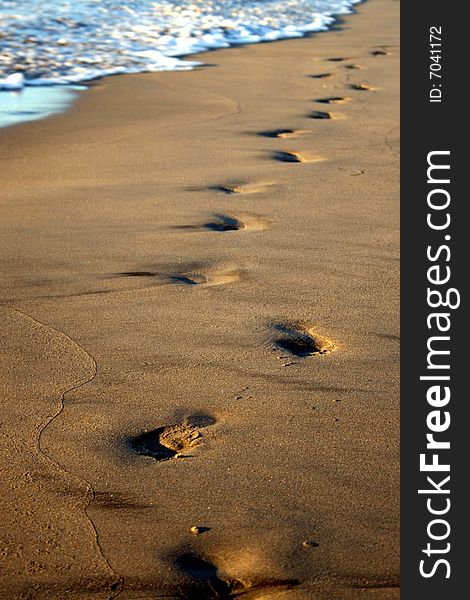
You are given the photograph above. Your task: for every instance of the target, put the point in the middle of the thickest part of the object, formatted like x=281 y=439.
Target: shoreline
x=89 y=83
x=200 y=320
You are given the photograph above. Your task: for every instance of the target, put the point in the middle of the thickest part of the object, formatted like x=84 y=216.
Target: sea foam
x=43 y=42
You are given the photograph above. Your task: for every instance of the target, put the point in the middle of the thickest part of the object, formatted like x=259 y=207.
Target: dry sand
x=200 y=329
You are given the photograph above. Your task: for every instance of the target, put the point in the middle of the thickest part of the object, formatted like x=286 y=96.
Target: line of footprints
x=297 y=340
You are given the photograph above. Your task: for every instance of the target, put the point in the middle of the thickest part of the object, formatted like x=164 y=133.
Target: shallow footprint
x=300 y=340
x=171 y=441
x=333 y=100
x=207 y=279
x=243 y=187
x=193 y=274
x=297 y=157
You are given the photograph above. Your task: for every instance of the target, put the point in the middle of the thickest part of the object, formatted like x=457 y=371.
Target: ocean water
x=46 y=42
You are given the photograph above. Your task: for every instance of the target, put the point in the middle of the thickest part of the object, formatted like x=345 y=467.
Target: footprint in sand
x=225 y=223
x=363 y=87
x=192 y=274
x=321 y=114
x=339 y=58
x=333 y=100
x=138 y=274
x=297 y=157
x=208 y=582
x=322 y=75
x=300 y=340
x=171 y=441
x=206 y=279
x=379 y=52
x=354 y=67
x=243 y=187
x=283 y=133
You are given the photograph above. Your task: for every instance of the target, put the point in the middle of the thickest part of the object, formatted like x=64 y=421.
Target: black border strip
x=427 y=127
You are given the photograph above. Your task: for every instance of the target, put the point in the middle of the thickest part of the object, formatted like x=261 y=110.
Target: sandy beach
x=199 y=327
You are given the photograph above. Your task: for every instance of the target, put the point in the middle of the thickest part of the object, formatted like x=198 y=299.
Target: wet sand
x=199 y=324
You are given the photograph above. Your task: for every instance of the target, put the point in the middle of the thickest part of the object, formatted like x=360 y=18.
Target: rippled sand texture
x=199 y=325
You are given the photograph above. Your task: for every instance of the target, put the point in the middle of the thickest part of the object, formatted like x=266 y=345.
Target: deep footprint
x=321 y=75
x=320 y=114
x=196 y=279
x=137 y=274
x=224 y=223
x=208 y=584
x=171 y=441
x=333 y=100
x=280 y=133
x=339 y=58
x=301 y=341
x=205 y=279
x=363 y=87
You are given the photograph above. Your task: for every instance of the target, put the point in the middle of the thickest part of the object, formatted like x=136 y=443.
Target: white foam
x=12 y=82
x=47 y=43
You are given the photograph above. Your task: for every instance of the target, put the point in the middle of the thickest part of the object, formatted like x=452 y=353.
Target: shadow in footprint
x=279 y=133
x=362 y=87
x=321 y=75
x=320 y=114
x=290 y=157
x=170 y=441
x=227 y=189
x=296 y=157
x=220 y=223
x=206 y=580
x=194 y=274
x=333 y=100
x=149 y=444
x=186 y=280
x=300 y=341
x=136 y=274
x=208 y=584
x=242 y=187
x=224 y=223
x=193 y=279
x=203 y=274
x=339 y=58
x=207 y=279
